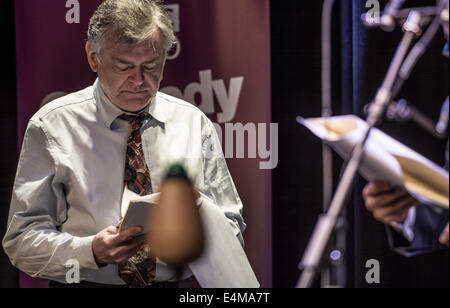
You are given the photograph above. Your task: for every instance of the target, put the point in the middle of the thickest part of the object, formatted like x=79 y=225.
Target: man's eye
x=123 y=69
x=151 y=66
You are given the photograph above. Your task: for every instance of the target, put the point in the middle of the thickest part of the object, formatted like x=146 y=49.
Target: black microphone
x=390 y=11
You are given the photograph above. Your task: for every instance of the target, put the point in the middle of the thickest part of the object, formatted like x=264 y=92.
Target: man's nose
x=137 y=75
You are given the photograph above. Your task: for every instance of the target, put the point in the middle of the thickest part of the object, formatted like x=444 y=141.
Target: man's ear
x=91 y=57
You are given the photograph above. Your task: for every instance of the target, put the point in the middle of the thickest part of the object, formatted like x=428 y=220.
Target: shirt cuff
x=85 y=255
x=407 y=227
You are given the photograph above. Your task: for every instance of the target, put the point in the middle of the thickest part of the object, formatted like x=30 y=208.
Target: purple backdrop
x=222 y=65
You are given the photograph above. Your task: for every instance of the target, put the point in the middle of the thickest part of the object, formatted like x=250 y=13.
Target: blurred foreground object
x=176 y=230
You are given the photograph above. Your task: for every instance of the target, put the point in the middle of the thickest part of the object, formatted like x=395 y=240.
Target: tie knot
x=135 y=120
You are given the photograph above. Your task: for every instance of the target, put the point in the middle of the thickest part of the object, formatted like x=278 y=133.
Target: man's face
x=130 y=77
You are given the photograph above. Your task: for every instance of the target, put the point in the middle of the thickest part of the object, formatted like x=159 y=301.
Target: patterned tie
x=139 y=271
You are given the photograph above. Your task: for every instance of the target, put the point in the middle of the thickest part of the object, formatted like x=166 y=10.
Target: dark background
x=361 y=59
x=8 y=139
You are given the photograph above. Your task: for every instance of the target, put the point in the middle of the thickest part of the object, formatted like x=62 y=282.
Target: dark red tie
x=140 y=269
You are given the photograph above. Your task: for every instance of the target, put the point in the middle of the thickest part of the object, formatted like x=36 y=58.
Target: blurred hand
x=111 y=247
x=443 y=239
x=387 y=203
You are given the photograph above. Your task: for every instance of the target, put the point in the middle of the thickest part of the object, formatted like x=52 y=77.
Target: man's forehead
x=146 y=50
x=151 y=46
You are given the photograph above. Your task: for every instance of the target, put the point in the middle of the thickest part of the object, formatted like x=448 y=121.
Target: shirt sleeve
x=38 y=208
x=219 y=185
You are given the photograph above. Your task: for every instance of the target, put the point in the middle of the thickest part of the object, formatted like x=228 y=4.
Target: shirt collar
x=159 y=109
x=109 y=112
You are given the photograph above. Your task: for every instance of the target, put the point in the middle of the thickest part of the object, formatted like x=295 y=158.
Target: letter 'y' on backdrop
x=221 y=64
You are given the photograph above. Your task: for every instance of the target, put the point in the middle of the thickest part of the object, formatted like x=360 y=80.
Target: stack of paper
x=384 y=158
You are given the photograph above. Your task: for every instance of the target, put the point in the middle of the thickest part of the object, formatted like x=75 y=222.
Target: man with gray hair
x=82 y=150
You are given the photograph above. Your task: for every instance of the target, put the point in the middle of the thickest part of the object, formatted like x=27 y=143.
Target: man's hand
x=387 y=203
x=111 y=247
x=443 y=239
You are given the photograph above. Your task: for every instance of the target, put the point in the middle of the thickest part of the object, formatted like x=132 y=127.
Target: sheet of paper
x=136 y=209
x=127 y=196
x=223 y=263
x=384 y=157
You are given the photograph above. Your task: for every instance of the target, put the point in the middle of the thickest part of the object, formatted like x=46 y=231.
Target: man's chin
x=134 y=105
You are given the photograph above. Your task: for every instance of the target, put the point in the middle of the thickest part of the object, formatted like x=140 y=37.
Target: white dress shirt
x=69 y=181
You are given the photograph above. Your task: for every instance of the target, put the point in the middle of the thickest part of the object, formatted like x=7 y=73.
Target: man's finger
x=127 y=254
x=128 y=233
x=386 y=200
x=376 y=187
x=443 y=239
x=396 y=212
x=129 y=248
x=382 y=185
x=111 y=230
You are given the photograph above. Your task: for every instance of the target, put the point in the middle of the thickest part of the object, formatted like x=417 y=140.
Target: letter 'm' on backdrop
x=221 y=63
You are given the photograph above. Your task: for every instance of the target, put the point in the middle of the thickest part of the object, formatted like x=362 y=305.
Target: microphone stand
x=416 y=53
x=399 y=17
x=327 y=154
x=327 y=222
x=402 y=111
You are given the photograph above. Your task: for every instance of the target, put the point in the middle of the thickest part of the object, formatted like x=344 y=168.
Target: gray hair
x=131 y=22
